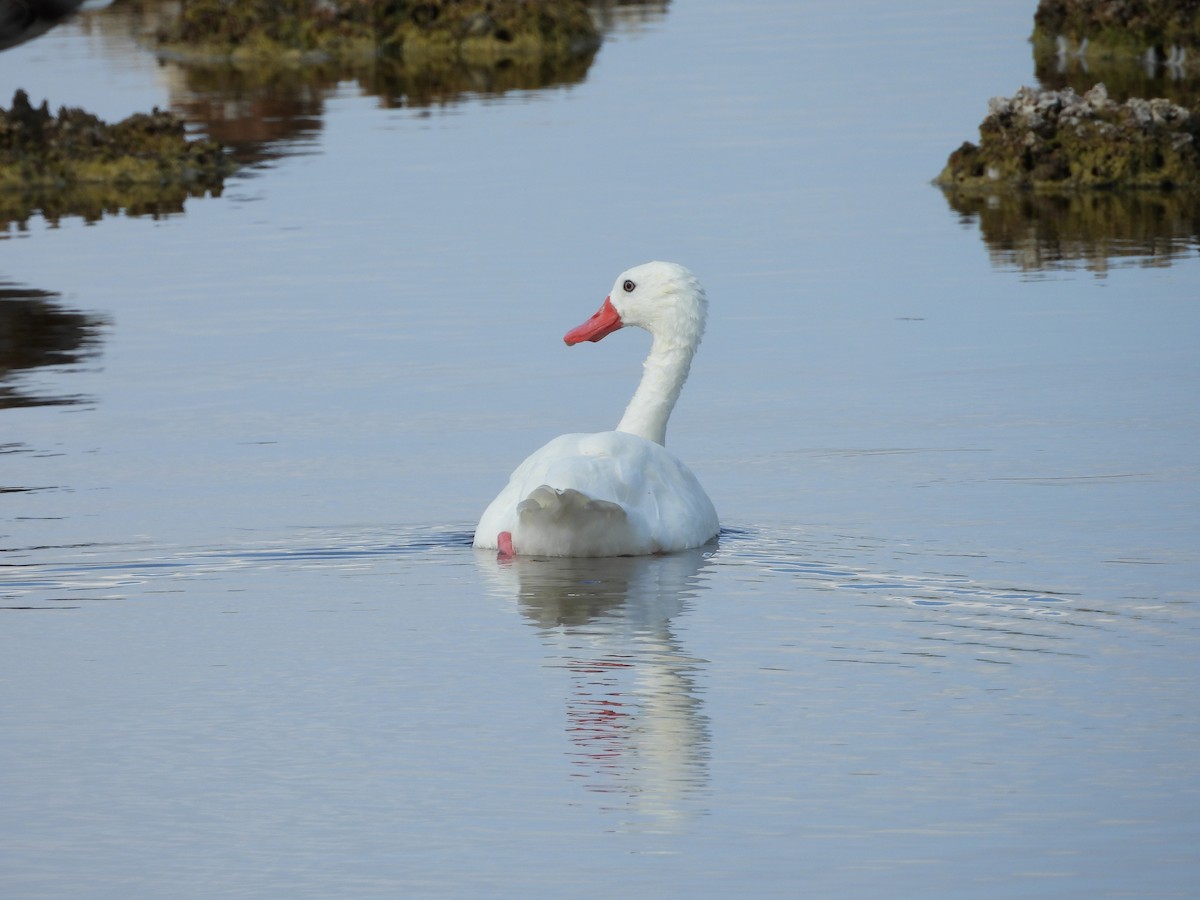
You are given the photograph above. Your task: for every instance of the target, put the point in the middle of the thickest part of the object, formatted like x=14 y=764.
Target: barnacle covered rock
x=1053 y=140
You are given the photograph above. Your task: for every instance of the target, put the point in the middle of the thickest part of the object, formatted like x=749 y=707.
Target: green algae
x=299 y=32
x=1059 y=140
x=1137 y=48
x=73 y=163
x=1120 y=27
x=43 y=151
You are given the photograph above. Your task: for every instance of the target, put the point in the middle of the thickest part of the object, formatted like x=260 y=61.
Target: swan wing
x=605 y=494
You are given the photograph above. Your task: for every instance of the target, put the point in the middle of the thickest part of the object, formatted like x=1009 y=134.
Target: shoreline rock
x=302 y=32
x=1155 y=32
x=74 y=164
x=1047 y=140
x=43 y=151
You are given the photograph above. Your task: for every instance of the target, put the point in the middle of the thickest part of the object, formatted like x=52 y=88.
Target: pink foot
x=504 y=543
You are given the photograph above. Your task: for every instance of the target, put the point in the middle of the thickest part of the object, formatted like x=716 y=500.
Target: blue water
x=946 y=644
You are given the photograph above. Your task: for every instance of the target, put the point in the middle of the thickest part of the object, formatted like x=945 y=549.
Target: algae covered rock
x=255 y=32
x=1138 y=48
x=40 y=150
x=1059 y=140
x=1153 y=30
x=73 y=163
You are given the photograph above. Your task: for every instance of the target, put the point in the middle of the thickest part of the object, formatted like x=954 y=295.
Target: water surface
x=945 y=645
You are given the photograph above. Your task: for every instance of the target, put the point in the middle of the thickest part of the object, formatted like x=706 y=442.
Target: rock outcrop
x=1058 y=140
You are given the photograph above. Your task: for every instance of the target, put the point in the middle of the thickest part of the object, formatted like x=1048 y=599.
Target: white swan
x=617 y=493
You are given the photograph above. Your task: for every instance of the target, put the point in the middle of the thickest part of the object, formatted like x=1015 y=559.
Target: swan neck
x=663 y=374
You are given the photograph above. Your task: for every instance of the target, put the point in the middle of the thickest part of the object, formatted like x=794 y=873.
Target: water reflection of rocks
x=634 y=716
x=264 y=112
x=92 y=202
x=35 y=331
x=1137 y=52
x=1062 y=66
x=260 y=111
x=1137 y=49
x=1094 y=230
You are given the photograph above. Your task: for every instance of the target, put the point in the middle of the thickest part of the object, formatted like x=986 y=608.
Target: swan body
x=617 y=493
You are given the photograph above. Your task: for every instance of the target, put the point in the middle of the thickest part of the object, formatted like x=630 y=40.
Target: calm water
x=947 y=644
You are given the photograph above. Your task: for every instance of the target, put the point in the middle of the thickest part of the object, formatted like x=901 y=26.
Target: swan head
x=662 y=297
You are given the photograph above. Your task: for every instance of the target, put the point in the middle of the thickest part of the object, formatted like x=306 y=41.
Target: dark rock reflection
x=1065 y=63
x=634 y=713
x=35 y=331
x=627 y=16
x=1097 y=230
x=266 y=112
x=92 y=202
x=1093 y=230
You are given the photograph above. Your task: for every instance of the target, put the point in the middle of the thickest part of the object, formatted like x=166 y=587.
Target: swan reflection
x=634 y=717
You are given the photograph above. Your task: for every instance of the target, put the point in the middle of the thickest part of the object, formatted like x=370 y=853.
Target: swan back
x=604 y=494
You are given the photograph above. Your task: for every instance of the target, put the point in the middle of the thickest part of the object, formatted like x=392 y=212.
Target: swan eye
x=628 y=286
